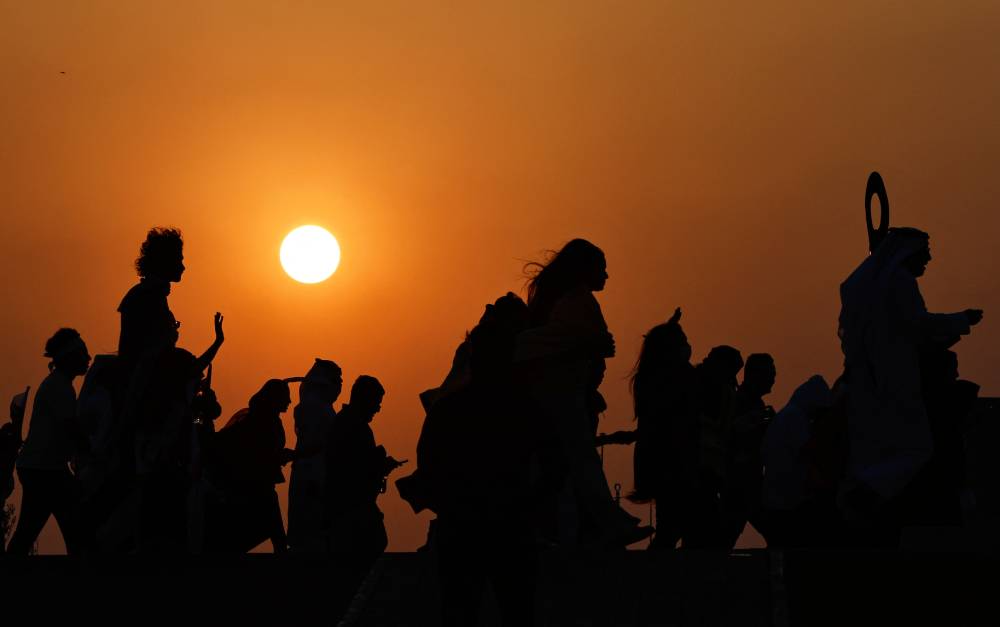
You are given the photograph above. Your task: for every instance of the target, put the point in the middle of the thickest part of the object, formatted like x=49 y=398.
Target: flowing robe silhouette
x=557 y=365
x=883 y=324
x=313 y=421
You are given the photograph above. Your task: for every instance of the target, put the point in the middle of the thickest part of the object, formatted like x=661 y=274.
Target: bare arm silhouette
x=213 y=350
x=616 y=437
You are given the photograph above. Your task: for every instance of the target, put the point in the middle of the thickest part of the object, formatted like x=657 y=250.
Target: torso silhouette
x=355 y=465
x=883 y=323
x=666 y=453
x=474 y=454
x=146 y=319
x=249 y=451
x=10 y=444
x=49 y=444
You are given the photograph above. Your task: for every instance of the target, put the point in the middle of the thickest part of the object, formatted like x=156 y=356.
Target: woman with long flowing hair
x=556 y=354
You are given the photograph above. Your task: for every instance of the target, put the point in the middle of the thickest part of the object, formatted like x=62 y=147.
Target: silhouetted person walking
x=715 y=402
x=356 y=471
x=485 y=463
x=11 y=439
x=10 y=444
x=508 y=313
x=245 y=463
x=314 y=416
x=556 y=356
x=356 y=468
x=163 y=454
x=744 y=468
x=146 y=320
x=43 y=464
x=794 y=512
x=666 y=457
x=883 y=324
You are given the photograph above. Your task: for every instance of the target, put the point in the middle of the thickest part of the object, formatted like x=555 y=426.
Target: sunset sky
x=716 y=151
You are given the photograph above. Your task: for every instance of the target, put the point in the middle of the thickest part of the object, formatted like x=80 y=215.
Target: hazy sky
x=718 y=154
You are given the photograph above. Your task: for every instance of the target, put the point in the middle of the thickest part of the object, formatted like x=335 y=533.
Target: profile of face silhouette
x=175 y=268
x=76 y=362
x=759 y=374
x=372 y=405
x=283 y=401
x=724 y=363
x=68 y=353
x=366 y=397
x=161 y=255
x=916 y=263
x=275 y=397
x=597 y=273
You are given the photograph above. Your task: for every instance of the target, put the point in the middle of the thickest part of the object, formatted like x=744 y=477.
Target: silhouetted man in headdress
x=883 y=325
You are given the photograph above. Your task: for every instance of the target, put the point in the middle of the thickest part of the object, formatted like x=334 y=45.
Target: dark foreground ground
x=765 y=588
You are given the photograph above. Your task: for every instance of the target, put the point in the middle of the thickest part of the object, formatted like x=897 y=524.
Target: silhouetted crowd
x=508 y=456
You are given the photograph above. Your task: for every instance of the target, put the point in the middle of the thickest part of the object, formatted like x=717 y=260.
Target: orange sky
x=717 y=154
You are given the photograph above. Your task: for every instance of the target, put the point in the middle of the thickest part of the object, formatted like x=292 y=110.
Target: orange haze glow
x=717 y=152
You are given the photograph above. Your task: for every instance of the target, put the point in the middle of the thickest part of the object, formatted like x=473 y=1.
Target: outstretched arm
x=213 y=350
x=618 y=437
x=924 y=324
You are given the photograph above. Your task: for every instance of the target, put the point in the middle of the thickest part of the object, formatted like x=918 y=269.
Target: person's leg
x=587 y=473
x=279 y=541
x=163 y=513
x=66 y=510
x=514 y=573
x=668 y=523
x=702 y=520
x=34 y=512
x=735 y=514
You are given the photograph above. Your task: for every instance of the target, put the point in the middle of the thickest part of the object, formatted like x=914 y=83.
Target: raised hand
x=220 y=337
x=393 y=463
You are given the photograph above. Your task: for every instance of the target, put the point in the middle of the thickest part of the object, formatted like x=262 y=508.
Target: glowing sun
x=310 y=254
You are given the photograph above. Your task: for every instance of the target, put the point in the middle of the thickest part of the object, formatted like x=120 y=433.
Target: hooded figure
x=314 y=416
x=508 y=311
x=883 y=324
x=796 y=509
x=784 y=443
